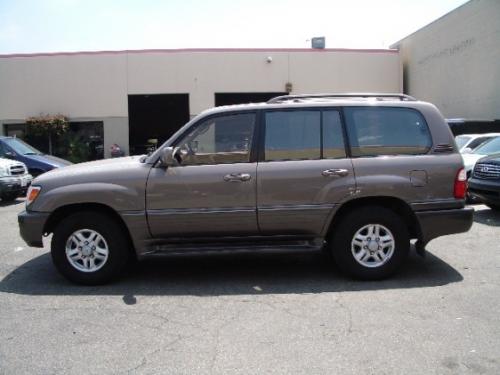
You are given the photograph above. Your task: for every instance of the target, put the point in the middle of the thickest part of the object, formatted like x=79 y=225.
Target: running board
x=204 y=248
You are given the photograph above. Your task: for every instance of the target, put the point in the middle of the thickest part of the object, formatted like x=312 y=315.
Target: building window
x=84 y=141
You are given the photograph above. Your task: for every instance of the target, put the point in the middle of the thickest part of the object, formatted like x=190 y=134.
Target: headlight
x=32 y=194
x=3 y=172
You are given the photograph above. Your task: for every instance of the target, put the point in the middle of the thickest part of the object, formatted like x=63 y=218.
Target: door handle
x=336 y=172
x=235 y=177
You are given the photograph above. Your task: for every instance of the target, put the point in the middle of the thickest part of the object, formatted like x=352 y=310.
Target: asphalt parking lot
x=255 y=313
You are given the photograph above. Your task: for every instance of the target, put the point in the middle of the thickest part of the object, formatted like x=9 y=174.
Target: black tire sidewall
x=355 y=220
x=111 y=232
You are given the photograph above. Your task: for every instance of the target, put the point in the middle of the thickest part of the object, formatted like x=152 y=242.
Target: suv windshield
x=490 y=147
x=21 y=147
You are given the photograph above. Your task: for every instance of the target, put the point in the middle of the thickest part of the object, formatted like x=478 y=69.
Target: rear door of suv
x=303 y=170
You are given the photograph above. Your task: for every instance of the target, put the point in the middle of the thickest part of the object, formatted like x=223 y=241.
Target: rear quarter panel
x=412 y=178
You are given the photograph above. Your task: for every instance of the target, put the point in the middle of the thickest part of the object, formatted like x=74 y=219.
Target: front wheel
x=89 y=248
x=370 y=243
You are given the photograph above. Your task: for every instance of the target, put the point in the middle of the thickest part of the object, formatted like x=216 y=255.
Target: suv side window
x=303 y=135
x=223 y=139
x=377 y=131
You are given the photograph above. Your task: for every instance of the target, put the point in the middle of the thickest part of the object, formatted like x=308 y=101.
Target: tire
x=91 y=264
x=495 y=207
x=386 y=256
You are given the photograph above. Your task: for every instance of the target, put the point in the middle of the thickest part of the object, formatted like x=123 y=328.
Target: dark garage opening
x=155 y=117
x=244 y=97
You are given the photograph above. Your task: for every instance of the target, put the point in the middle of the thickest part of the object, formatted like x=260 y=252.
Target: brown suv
x=359 y=175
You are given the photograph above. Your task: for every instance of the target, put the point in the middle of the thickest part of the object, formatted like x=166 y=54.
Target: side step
x=229 y=247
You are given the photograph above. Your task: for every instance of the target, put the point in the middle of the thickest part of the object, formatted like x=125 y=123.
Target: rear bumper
x=31 y=226
x=488 y=191
x=439 y=223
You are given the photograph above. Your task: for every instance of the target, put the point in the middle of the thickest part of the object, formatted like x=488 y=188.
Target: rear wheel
x=370 y=243
x=89 y=248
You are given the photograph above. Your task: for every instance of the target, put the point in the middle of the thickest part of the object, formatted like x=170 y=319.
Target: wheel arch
x=397 y=205
x=64 y=211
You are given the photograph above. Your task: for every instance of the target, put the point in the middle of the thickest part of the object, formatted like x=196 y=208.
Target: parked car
x=488 y=148
x=485 y=181
x=356 y=175
x=36 y=161
x=14 y=179
x=468 y=142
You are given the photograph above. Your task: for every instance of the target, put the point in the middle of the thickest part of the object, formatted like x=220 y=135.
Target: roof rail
x=283 y=98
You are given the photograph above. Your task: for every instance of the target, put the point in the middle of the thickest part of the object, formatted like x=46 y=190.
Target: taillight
x=460 y=187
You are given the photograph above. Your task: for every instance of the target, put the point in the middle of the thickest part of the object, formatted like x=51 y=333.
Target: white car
x=14 y=179
x=468 y=142
x=470 y=158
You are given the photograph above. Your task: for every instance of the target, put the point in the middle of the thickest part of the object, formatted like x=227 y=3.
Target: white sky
x=77 y=25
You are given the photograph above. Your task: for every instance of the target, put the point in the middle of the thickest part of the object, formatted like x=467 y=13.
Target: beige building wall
x=454 y=61
x=95 y=85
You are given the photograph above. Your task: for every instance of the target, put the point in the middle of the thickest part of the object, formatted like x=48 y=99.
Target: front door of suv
x=212 y=193
x=303 y=171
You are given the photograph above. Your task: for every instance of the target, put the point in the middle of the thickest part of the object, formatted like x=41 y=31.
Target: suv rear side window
x=297 y=135
x=377 y=131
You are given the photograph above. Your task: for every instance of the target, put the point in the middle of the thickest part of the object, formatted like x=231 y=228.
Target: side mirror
x=467 y=150
x=10 y=155
x=169 y=157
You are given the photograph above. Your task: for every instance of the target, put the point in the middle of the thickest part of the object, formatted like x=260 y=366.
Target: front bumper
x=31 y=226
x=15 y=184
x=438 y=223
x=488 y=191
x=10 y=185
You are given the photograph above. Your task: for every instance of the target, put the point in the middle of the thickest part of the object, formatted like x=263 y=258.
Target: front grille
x=487 y=171
x=17 y=170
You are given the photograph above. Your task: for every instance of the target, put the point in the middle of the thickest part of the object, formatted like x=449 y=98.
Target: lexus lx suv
x=357 y=175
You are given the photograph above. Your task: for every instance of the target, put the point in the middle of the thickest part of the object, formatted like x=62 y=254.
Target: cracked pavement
x=255 y=313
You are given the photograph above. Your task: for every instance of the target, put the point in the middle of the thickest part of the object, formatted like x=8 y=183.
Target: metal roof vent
x=318 y=42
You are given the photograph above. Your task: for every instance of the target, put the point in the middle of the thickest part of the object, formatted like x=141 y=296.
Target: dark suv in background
x=485 y=181
x=36 y=161
x=359 y=175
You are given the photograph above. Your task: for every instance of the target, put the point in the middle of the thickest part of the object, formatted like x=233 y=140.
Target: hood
x=9 y=163
x=105 y=170
x=494 y=159
x=49 y=159
x=470 y=160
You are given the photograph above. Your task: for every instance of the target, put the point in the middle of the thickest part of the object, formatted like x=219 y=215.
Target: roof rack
x=283 y=98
